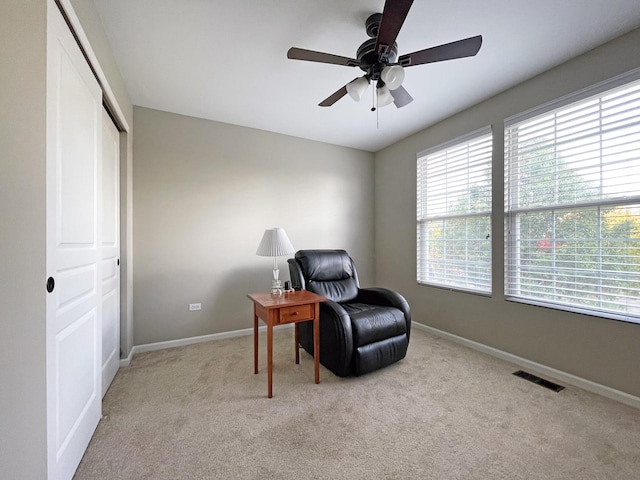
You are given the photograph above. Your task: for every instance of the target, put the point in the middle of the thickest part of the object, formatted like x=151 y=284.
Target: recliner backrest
x=330 y=273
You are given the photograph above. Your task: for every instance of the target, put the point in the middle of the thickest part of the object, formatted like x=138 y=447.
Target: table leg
x=255 y=342
x=316 y=342
x=297 y=340
x=270 y=359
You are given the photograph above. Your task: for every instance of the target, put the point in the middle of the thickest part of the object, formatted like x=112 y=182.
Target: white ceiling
x=226 y=60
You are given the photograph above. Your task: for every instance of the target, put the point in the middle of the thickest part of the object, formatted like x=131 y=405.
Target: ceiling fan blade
x=393 y=16
x=449 y=51
x=401 y=97
x=333 y=98
x=313 y=56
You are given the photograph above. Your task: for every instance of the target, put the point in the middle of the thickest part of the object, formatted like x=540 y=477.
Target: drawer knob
x=294 y=313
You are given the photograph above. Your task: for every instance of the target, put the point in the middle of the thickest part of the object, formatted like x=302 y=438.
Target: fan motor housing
x=368 y=59
x=367 y=55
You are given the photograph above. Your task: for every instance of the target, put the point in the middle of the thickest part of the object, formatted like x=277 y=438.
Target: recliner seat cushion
x=372 y=323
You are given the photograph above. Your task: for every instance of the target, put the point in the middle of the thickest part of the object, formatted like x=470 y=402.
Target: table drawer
x=296 y=313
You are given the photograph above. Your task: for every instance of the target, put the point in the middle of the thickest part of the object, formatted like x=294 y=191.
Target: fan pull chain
x=373 y=99
x=374 y=108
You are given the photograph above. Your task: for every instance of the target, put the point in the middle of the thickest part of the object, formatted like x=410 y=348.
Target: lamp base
x=276 y=288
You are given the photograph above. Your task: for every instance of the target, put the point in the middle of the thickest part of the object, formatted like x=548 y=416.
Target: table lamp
x=275 y=243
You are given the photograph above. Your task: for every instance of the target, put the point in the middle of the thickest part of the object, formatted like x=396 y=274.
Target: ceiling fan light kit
x=377 y=57
x=357 y=88
x=384 y=96
x=392 y=76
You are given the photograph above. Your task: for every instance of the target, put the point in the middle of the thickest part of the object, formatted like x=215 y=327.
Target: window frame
x=511 y=249
x=421 y=156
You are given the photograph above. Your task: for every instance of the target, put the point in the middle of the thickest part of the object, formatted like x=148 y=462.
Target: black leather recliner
x=361 y=329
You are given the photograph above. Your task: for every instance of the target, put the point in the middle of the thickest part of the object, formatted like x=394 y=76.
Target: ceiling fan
x=377 y=57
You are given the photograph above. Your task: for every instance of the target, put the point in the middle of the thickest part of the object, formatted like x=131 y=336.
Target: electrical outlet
x=195 y=306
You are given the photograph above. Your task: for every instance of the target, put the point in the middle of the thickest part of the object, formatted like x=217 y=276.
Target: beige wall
x=204 y=192
x=22 y=239
x=600 y=350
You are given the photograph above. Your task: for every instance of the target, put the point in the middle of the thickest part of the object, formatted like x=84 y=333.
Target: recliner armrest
x=387 y=298
x=336 y=338
x=335 y=323
x=295 y=273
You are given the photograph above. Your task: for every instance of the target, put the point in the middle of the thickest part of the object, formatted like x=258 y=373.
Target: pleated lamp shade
x=275 y=243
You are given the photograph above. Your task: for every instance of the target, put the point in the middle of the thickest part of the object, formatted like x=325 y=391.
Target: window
x=572 y=201
x=454 y=214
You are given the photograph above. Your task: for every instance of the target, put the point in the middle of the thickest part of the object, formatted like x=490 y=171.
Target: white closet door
x=74 y=306
x=110 y=251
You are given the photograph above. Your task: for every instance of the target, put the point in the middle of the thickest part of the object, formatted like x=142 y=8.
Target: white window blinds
x=454 y=214
x=572 y=201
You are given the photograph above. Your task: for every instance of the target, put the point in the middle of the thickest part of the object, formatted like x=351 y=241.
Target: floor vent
x=540 y=381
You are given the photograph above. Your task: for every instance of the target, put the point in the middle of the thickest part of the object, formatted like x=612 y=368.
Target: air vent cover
x=539 y=381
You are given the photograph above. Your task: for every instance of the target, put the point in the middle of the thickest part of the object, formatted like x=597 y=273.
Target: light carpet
x=444 y=412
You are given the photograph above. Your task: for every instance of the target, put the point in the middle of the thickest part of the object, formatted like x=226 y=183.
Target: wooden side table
x=294 y=307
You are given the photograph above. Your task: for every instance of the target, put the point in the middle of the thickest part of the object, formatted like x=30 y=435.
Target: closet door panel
x=110 y=251
x=74 y=306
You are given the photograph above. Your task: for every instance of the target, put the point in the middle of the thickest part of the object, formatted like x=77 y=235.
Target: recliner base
x=366 y=358
x=380 y=354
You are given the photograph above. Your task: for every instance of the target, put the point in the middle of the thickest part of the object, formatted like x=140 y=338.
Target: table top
x=300 y=297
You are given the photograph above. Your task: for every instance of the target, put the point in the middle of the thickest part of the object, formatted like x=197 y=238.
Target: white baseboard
x=124 y=362
x=148 y=347
x=537 y=368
